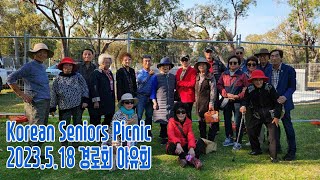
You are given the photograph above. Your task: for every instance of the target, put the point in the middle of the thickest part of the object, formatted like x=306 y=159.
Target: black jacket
x=126 y=82
x=261 y=101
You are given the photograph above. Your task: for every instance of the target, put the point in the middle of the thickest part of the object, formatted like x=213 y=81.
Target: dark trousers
x=95 y=117
x=189 y=109
x=254 y=133
x=290 y=133
x=213 y=129
x=163 y=130
x=230 y=109
x=65 y=115
x=200 y=149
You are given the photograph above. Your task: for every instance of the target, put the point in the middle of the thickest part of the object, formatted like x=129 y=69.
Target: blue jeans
x=145 y=104
x=291 y=137
x=227 y=114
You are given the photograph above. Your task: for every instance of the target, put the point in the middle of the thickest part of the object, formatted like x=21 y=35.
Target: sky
x=266 y=15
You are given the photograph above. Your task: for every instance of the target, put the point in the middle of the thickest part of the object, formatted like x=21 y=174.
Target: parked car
x=53 y=71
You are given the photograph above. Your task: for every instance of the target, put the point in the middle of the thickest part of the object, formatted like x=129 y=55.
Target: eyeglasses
x=237 y=53
x=252 y=64
x=233 y=63
x=181 y=112
x=128 y=102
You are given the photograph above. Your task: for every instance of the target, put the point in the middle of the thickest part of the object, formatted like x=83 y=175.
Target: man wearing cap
x=186 y=80
x=283 y=79
x=145 y=91
x=261 y=98
x=216 y=66
x=36 y=93
x=263 y=55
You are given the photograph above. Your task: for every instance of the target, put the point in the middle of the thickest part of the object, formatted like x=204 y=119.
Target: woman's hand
x=96 y=105
x=131 y=121
x=243 y=109
x=191 y=152
x=179 y=149
x=210 y=107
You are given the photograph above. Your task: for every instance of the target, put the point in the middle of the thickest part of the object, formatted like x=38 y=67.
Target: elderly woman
x=261 y=98
x=186 y=80
x=165 y=84
x=102 y=91
x=181 y=140
x=205 y=91
x=126 y=77
x=70 y=93
x=232 y=85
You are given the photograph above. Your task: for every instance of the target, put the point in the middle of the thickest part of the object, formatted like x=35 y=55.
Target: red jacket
x=175 y=136
x=185 y=87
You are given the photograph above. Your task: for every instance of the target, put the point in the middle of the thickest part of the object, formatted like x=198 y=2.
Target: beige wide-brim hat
x=37 y=47
x=127 y=96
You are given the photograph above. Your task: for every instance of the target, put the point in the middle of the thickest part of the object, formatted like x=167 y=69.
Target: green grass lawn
x=217 y=165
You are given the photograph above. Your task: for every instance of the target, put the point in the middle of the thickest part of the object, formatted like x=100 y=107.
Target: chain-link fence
x=13 y=55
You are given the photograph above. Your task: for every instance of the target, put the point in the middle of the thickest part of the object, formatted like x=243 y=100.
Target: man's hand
x=276 y=121
x=52 y=114
x=26 y=98
x=243 y=109
x=282 y=99
x=96 y=105
x=151 y=72
x=179 y=149
x=155 y=106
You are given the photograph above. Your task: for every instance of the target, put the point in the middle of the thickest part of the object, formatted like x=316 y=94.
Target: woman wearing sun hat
x=70 y=93
x=125 y=113
x=261 y=98
x=165 y=85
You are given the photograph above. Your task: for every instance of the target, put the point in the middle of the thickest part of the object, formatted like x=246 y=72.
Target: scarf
x=128 y=112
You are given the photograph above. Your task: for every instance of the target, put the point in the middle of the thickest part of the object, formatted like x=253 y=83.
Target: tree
x=63 y=14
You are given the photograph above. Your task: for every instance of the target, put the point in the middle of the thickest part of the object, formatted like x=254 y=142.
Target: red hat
x=258 y=74
x=67 y=60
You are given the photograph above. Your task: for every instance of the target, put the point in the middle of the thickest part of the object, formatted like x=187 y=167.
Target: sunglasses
x=181 y=112
x=252 y=64
x=237 y=53
x=128 y=102
x=233 y=63
x=184 y=59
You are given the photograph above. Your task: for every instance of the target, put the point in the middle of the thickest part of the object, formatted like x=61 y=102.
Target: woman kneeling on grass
x=181 y=140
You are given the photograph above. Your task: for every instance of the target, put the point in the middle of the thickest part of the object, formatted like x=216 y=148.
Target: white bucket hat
x=37 y=47
x=127 y=96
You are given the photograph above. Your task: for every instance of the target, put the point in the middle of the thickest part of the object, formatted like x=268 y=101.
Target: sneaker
x=182 y=162
x=255 y=153
x=164 y=141
x=197 y=163
x=248 y=144
x=236 y=146
x=228 y=142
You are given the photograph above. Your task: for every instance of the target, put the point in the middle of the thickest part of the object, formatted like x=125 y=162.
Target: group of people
x=253 y=86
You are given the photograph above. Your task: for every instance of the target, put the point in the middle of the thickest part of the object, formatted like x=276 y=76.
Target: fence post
x=26 y=47
x=128 y=41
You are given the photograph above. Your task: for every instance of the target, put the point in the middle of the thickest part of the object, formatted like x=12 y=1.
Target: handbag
x=211 y=116
x=210 y=146
x=224 y=101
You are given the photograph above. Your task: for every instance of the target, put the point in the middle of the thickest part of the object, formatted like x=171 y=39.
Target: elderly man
x=146 y=93
x=216 y=66
x=283 y=78
x=36 y=93
x=240 y=53
x=263 y=55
